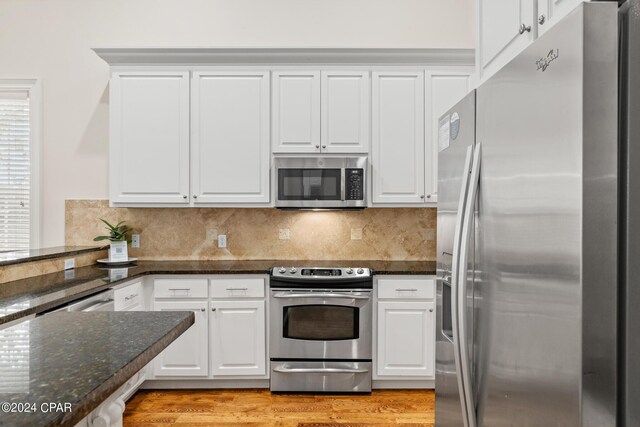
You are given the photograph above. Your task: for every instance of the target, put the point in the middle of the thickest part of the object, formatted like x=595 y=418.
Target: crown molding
x=284 y=56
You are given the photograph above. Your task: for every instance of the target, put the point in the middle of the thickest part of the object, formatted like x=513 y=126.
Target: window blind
x=15 y=168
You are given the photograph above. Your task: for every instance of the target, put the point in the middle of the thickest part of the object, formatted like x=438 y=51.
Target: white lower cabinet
x=237 y=339
x=187 y=356
x=405 y=328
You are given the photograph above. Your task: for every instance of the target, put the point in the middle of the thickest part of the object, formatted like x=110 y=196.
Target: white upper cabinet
x=397 y=151
x=296 y=112
x=345 y=111
x=149 y=137
x=443 y=89
x=505 y=28
x=551 y=11
x=230 y=137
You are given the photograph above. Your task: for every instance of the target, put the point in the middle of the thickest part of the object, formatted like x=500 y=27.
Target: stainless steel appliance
x=320 y=182
x=320 y=329
x=102 y=301
x=538 y=322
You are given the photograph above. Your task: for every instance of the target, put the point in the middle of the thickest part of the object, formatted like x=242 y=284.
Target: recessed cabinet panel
x=345 y=112
x=397 y=154
x=296 y=112
x=230 y=137
x=443 y=89
x=149 y=137
x=406 y=339
x=551 y=11
x=188 y=355
x=505 y=28
x=238 y=345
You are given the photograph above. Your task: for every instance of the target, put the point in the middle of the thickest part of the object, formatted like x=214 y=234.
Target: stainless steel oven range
x=320 y=329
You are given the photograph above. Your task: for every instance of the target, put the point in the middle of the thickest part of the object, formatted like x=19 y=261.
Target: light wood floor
x=253 y=408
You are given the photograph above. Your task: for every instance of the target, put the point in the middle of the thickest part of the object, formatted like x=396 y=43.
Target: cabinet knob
x=213 y=309
x=525 y=28
x=195 y=197
x=203 y=309
x=422 y=197
x=324 y=146
x=317 y=146
x=428 y=196
x=542 y=19
x=184 y=197
x=431 y=310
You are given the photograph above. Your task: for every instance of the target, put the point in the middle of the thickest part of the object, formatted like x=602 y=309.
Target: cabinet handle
x=406 y=290
x=202 y=309
x=213 y=309
x=542 y=19
x=130 y=297
x=525 y=28
x=237 y=289
x=179 y=289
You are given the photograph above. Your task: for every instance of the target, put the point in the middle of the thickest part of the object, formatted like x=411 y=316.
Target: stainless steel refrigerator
x=537 y=263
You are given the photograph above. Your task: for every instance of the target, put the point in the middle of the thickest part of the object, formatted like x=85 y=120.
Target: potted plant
x=118 y=238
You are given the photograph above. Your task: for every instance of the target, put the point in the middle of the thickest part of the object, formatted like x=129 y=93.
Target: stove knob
x=293 y=270
x=282 y=270
x=349 y=271
x=360 y=271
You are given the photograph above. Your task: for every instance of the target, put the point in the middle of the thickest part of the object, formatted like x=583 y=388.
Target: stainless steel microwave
x=320 y=182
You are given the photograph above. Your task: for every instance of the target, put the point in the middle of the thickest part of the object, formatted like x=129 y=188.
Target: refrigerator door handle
x=455 y=266
x=461 y=290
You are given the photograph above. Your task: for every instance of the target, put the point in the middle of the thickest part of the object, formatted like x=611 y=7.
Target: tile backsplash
x=191 y=233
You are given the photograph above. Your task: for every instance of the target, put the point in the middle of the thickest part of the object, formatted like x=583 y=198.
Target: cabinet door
x=406 y=340
x=345 y=111
x=551 y=11
x=443 y=89
x=296 y=112
x=397 y=154
x=187 y=356
x=238 y=345
x=499 y=35
x=230 y=137
x=149 y=137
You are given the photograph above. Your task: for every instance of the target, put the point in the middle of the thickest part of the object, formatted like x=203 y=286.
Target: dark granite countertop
x=79 y=359
x=37 y=294
x=28 y=255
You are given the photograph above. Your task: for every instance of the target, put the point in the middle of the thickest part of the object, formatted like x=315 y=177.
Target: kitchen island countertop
x=64 y=365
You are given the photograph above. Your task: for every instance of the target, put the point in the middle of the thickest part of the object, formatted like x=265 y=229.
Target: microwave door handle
x=343 y=185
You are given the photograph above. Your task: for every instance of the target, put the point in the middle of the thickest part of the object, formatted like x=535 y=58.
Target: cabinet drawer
x=406 y=288
x=128 y=297
x=180 y=288
x=237 y=288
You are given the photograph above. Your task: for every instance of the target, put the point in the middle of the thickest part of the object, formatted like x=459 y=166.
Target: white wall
x=51 y=40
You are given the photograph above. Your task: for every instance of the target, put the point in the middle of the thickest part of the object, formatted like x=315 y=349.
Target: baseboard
x=203 y=384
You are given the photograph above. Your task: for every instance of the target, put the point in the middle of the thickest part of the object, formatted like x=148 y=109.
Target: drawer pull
x=406 y=290
x=237 y=289
x=180 y=289
x=132 y=296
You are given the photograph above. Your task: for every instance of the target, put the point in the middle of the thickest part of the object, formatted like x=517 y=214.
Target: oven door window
x=309 y=184
x=321 y=322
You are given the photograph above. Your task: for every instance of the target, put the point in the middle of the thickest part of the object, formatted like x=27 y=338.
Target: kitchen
x=301 y=216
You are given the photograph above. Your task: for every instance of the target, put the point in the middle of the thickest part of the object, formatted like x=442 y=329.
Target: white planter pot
x=118 y=251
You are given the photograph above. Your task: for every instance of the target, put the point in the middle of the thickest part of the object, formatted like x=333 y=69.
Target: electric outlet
x=135 y=241
x=222 y=241
x=69 y=263
x=283 y=234
x=356 y=234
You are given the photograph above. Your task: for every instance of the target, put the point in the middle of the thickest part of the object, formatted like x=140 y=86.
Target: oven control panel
x=311 y=273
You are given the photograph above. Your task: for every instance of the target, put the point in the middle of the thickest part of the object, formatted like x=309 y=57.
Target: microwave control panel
x=355 y=184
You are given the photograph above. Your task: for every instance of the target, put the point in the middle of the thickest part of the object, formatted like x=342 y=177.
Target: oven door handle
x=321 y=295
x=320 y=371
